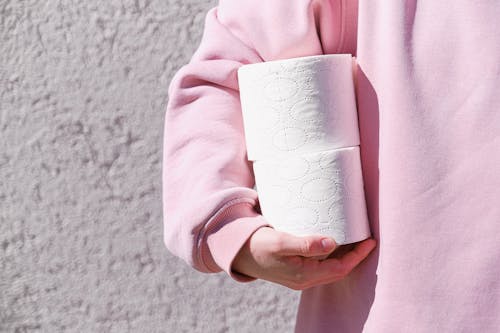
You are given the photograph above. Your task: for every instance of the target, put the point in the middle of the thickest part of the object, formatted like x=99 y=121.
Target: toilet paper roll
x=316 y=193
x=298 y=105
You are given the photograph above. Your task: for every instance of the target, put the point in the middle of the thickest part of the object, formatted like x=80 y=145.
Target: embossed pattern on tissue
x=328 y=176
x=292 y=107
x=298 y=114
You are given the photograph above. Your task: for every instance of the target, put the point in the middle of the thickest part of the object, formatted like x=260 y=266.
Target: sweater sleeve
x=210 y=205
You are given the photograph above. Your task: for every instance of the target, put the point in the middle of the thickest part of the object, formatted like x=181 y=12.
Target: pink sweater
x=428 y=106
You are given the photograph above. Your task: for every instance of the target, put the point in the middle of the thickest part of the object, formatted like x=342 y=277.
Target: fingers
x=361 y=250
x=306 y=246
x=313 y=272
x=295 y=261
x=346 y=263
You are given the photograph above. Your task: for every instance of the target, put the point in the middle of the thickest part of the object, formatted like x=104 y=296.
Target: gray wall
x=83 y=94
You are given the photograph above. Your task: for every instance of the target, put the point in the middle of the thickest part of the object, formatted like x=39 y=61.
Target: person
x=426 y=80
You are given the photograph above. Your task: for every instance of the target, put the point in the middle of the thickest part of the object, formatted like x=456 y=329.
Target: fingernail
x=327 y=243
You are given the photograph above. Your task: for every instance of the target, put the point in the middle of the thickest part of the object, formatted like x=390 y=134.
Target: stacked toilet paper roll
x=301 y=132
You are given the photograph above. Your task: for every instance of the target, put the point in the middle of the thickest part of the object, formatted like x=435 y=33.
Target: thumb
x=307 y=246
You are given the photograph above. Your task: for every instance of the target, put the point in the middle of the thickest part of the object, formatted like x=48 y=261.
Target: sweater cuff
x=229 y=235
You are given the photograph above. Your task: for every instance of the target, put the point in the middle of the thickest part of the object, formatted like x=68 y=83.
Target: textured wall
x=83 y=93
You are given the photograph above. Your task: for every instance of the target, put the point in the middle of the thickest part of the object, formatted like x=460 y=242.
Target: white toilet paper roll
x=316 y=193
x=298 y=105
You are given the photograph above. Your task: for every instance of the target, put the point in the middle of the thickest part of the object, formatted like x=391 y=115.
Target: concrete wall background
x=83 y=93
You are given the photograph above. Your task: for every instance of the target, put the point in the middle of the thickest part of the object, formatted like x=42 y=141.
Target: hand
x=295 y=262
